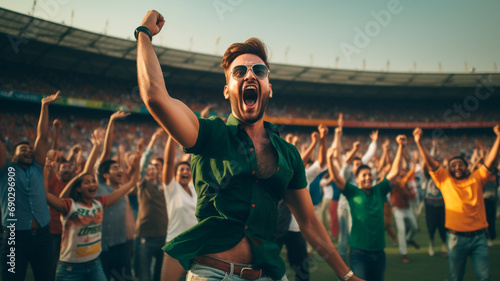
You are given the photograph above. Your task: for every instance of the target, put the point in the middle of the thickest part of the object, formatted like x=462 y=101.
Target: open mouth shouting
x=92 y=191
x=250 y=96
x=185 y=178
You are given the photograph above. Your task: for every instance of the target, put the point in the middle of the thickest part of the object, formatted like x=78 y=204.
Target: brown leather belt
x=243 y=272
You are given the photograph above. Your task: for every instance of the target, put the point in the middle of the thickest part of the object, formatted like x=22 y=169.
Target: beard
x=463 y=175
x=237 y=105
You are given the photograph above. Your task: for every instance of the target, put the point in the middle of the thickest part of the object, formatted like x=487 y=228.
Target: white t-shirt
x=82 y=227
x=181 y=208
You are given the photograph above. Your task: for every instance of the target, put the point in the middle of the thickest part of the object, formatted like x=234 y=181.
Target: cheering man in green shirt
x=241 y=170
x=366 y=202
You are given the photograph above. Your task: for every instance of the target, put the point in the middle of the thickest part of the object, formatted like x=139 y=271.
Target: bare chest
x=267 y=160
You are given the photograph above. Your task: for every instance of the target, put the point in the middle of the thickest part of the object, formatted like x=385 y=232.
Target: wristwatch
x=348 y=275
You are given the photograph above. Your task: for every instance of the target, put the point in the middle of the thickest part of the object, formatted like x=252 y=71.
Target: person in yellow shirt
x=465 y=214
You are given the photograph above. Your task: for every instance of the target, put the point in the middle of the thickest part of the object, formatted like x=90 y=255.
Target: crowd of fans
x=125 y=92
x=77 y=125
x=82 y=132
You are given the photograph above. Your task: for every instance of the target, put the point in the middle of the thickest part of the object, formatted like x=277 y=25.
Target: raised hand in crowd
x=57 y=131
x=307 y=155
x=204 y=113
x=108 y=138
x=40 y=146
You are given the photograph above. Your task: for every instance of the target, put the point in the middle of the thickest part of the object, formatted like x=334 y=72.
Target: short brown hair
x=251 y=46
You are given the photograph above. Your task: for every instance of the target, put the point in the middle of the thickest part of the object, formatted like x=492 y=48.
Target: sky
x=377 y=35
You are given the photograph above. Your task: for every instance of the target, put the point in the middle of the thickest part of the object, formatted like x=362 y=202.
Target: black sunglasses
x=259 y=70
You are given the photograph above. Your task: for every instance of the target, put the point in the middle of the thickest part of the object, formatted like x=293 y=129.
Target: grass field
x=421 y=266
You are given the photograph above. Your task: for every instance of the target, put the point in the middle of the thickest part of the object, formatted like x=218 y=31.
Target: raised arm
x=476 y=163
x=337 y=143
x=89 y=165
x=173 y=115
x=383 y=158
x=435 y=148
x=108 y=138
x=306 y=156
x=117 y=194
x=431 y=163
x=57 y=130
x=204 y=113
x=53 y=201
x=96 y=147
x=323 y=132
x=42 y=131
x=73 y=154
x=490 y=158
x=332 y=170
x=372 y=148
x=168 y=172
x=351 y=154
x=396 y=165
x=139 y=147
x=149 y=150
x=51 y=163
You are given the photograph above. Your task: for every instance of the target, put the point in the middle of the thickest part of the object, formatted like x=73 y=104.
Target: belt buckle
x=249 y=269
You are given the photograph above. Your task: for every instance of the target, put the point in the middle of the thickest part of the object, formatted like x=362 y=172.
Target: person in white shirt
x=180 y=197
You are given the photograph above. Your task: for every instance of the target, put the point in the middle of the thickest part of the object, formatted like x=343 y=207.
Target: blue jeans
x=91 y=270
x=205 y=273
x=460 y=247
x=368 y=265
x=147 y=249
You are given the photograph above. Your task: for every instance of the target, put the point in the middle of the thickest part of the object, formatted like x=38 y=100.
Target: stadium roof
x=32 y=40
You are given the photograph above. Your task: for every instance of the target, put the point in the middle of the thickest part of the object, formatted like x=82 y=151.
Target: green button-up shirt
x=232 y=201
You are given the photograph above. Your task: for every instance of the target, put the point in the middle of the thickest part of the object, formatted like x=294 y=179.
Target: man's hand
x=50 y=99
x=96 y=140
x=119 y=114
x=158 y=133
x=330 y=152
x=314 y=137
x=204 y=113
x=496 y=129
x=76 y=148
x=417 y=134
x=323 y=131
x=355 y=145
x=340 y=120
x=401 y=140
x=385 y=145
x=99 y=133
x=140 y=145
x=154 y=21
x=338 y=131
x=56 y=124
x=374 y=136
